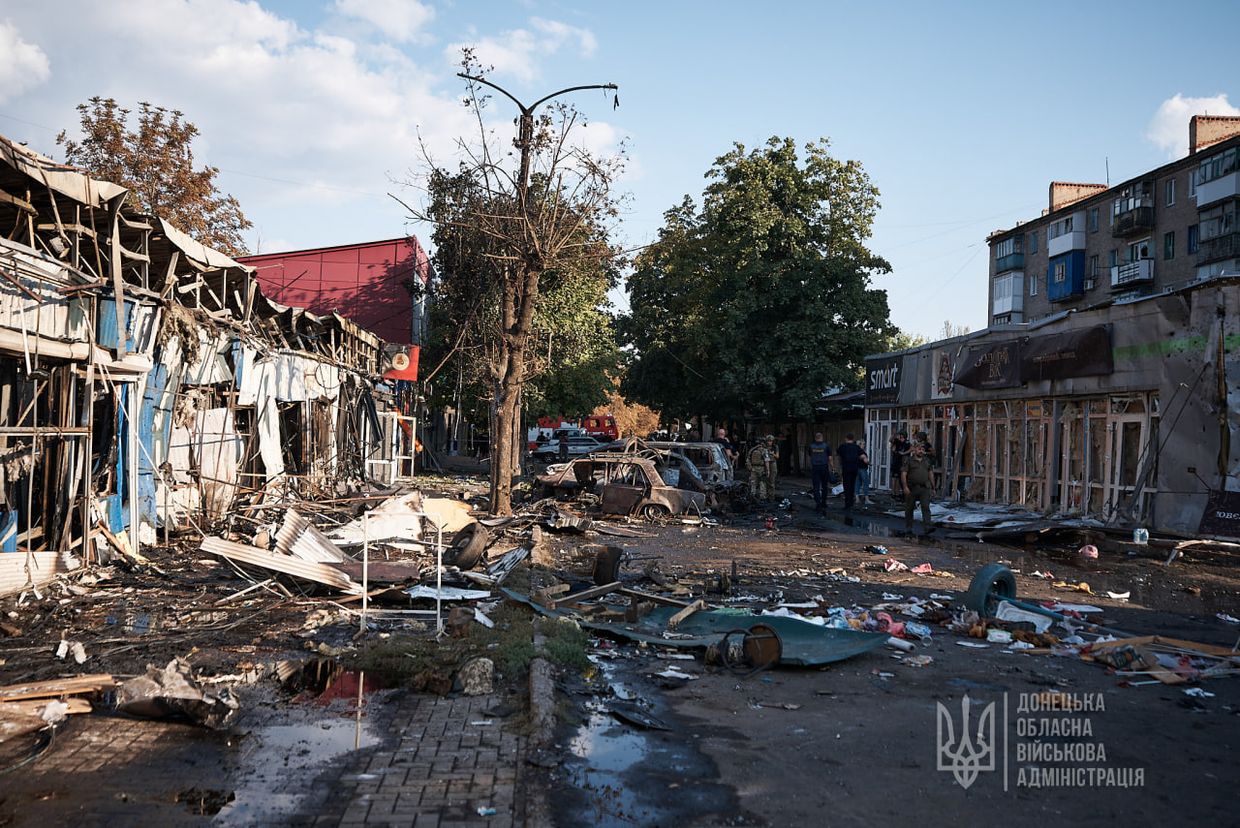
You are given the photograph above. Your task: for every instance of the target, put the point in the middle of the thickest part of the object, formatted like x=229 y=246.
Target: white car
x=577 y=446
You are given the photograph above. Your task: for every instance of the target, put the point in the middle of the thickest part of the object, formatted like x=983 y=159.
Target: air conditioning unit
x=400 y=362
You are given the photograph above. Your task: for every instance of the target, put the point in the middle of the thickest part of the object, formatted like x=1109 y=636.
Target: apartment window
x=1033 y=284
x=1092 y=219
x=1138 y=250
x=1033 y=242
x=1218 y=221
x=1169 y=245
x=1113 y=258
x=1193 y=230
x=1093 y=267
x=1169 y=189
x=1007 y=247
x=1003 y=319
x=1225 y=163
x=1192 y=183
x=1061 y=272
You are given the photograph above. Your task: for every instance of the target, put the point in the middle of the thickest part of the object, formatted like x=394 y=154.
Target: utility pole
x=521 y=294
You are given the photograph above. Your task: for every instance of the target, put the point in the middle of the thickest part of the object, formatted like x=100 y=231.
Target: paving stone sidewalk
x=447 y=760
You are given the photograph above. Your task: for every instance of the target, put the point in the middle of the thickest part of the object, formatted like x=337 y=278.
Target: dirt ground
x=856 y=741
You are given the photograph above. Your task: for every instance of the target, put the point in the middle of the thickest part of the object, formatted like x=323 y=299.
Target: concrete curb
x=542 y=732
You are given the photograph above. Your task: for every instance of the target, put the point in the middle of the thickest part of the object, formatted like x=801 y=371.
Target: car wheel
x=467 y=547
x=655 y=511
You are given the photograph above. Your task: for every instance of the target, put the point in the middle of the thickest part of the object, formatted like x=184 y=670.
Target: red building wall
x=367 y=283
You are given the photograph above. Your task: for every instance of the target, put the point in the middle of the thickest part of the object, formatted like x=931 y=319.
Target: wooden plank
x=674 y=621
x=586 y=594
x=33 y=707
x=653 y=598
x=55 y=688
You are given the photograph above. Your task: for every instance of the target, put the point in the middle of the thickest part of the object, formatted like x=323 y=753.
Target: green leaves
x=763 y=300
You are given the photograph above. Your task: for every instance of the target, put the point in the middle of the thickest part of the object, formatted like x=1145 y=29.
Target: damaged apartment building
x=147 y=384
x=1107 y=385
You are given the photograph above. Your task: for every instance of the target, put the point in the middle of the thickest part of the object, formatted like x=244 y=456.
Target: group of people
x=911 y=465
x=854 y=470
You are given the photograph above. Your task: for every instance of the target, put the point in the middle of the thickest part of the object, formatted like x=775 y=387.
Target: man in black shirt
x=850 y=461
x=899 y=449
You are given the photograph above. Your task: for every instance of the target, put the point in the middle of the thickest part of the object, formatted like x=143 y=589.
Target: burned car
x=627 y=484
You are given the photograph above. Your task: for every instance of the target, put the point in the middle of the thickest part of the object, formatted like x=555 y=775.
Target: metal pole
x=438 y=580
x=365 y=572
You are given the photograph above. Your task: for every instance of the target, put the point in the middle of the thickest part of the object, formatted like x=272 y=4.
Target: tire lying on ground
x=992 y=583
x=467 y=547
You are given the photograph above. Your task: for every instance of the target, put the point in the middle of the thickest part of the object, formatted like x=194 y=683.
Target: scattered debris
x=172 y=691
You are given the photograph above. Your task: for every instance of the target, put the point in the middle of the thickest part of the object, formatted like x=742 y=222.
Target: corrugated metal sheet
x=284 y=564
x=299 y=538
x=19 y=571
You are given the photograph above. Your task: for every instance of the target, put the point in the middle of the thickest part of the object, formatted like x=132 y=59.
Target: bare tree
x=951 y=330
x=524 y=223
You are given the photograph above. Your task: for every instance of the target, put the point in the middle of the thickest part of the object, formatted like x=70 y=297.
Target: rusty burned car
x=627 y=484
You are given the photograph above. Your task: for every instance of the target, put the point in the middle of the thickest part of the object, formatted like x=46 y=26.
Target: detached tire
x=467 y=547
x=992 y=584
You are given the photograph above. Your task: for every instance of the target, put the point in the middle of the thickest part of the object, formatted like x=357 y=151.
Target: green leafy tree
x=155 y=162
x=762 y=298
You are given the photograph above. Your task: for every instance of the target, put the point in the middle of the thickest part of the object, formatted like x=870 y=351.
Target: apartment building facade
x=1162 y=230
x=1107 y=386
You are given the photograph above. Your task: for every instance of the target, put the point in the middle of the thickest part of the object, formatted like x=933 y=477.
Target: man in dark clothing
x=899 y=449
x=729 y=450
x=819 y=453
x=850 y=461
x=916 y=479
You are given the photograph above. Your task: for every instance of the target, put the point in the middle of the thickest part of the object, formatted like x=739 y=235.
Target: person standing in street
x=819 y=453
x=863 y=475
x=721 y=437
x=762 y=469
x=916 y=480
x=849 y=454
x=899 y=449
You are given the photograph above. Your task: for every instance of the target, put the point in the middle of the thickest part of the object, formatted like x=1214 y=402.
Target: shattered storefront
x=146 y=382
x=1122 y=413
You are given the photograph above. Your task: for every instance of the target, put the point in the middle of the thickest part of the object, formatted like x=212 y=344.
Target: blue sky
x=961 y=112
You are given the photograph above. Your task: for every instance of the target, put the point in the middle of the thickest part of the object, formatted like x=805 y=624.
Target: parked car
x=577 y=446
x=627 y=484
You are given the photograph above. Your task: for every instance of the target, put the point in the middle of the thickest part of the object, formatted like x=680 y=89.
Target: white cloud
x=1168 y=129
x=401 y=20
x=23 y=65
x=517 y=52
x=309 y=126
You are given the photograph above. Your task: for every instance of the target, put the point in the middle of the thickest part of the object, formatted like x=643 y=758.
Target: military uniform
x=761 y=459
x=917 y=470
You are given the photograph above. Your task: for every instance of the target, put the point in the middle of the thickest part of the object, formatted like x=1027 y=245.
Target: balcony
x=1137 y=219
x=1132 y=273
x=1008 y=304
x=1227 y=186
x=1218 y=248
x=1065 y=243
x=1012 y=261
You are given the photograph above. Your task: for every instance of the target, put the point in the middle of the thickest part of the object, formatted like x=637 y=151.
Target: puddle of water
x=607 y=750
x=277 y=771
x=131 y=623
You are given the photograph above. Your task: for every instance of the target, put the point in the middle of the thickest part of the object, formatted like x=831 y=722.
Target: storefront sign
x=1222 y=516
x=990 y=366
x=882 y=380
x=1059 y=356
x=942 y=380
